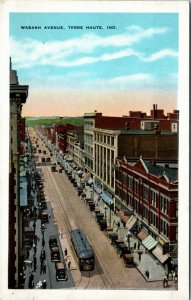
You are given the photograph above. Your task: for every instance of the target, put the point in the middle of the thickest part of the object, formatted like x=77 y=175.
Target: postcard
x=94 y=149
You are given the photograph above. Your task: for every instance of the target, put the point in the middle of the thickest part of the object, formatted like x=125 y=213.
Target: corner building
x=18 y=96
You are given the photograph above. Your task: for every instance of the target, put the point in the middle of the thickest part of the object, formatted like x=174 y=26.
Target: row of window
x=148 y=194
x=134 y=204
x=106 y=139
x=88 y=124
x=88 y=138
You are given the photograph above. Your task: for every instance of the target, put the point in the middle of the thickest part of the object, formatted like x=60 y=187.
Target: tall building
x=149 y=190
x=18 y=96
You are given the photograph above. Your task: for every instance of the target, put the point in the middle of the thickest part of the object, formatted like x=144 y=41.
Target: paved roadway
x=69 y=212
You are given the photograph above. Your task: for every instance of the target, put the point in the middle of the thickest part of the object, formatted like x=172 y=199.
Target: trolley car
x=83 y=250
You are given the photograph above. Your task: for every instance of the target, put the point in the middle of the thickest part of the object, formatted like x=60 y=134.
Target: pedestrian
x=34 y=262
x=165 y=280
x=34 y=225
x=43 y=242
x=41 y=268
x=69 y=263
x=140 y=257
x=34 y=248
x=65 y=251
x=118 y=225
x=44 y=268
x=138 y=246
x=135 y=245
x=44 y=284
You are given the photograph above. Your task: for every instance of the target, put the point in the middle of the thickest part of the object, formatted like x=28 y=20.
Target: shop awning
x=131 y=221
x=97 y=189
x=90 y=181
x=23 y=193
x=142 y=235
x=120 y=213
x=158 y=253
x=106 y=198
x=124 y=218
x=149 y=242
x=86 y=176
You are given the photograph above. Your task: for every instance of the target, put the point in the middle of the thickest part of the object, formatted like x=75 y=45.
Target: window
x=136 y=205
x=145 y=213
x=176 y=233
x=136 y=186
x=163 y=227
x=130 y=182
x=112 y=140
x=177 y=209
x=130 y=200
x=124 y=178
x=153 y=219
x=153 y=198
x=108 y=140
x=164 y=204
x=145 y=192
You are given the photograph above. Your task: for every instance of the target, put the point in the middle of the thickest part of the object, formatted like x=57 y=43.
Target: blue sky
x=139 y=56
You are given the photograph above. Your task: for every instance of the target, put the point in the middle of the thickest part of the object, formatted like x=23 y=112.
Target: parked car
x=60 y=271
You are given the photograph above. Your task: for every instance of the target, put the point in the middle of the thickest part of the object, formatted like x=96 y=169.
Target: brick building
x=149 y=191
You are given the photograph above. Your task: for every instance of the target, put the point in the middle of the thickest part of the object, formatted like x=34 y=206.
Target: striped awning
x=142 y=235
x=97 y=189
x=124 y=218
x=157 y=252
x=90 y=181
x=86 y=176
x=149 y=242
x=131 y=221
x=120 y=213
x=106 y=198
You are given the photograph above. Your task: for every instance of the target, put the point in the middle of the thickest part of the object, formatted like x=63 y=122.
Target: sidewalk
x=147 y=262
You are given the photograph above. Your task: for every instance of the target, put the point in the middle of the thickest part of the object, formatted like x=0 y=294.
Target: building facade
x=18 y=96
x=150 y=191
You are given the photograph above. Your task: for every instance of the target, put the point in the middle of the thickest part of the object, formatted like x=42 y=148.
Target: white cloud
x=27 y=53
x=161 y=54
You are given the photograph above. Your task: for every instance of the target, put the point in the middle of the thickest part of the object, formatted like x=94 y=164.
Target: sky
x=130 y=65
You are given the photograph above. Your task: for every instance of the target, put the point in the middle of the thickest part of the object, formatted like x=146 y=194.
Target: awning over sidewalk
x=97 y=189
x=158 y=253
x=142 y=235
x=90 y=181
x=131 y=221
x=120 y=213
x=124 y=218
x=149 y=242
x=86 y=176
x=106 y=198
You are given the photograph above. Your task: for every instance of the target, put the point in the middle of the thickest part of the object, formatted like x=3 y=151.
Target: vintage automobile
x=102 y=224
x=60 y=271
x=113 y=237
x=44 y=216
x=55 y=254
x=128 y=260
x=122 y=249
x=42 y=255
x=53 y=241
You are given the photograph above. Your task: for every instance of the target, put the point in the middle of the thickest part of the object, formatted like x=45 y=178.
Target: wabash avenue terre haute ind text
x=68 y=27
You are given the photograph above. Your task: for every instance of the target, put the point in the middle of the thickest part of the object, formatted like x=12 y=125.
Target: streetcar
x=83 y=250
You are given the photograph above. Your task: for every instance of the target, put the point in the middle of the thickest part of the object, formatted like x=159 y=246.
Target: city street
x=70 y=212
